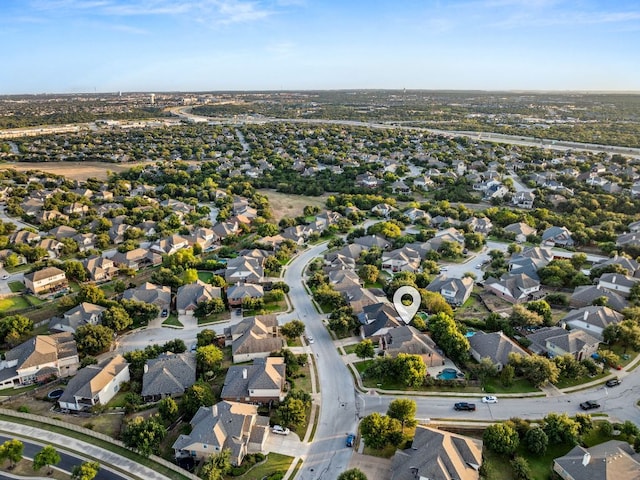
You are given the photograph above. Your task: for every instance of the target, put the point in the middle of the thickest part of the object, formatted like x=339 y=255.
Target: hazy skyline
x=62 y=46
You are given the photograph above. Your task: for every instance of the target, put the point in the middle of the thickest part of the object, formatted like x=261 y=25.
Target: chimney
x=586 y=459
x=585 y=315
x=244 y=373
x=146 y=368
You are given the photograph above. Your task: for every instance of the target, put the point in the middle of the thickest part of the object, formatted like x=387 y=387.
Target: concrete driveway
x=286 y=445
x=375 y=468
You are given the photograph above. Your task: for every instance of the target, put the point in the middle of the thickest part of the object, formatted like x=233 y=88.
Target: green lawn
x=17 y=287
x=33 y=300
x=205 y=276
x=13 y=303
x=520 y=385
x=350 y=348
x=572 y=382
x=275 y=463
x=620 y=351
x=214 y=318
x=172 y=321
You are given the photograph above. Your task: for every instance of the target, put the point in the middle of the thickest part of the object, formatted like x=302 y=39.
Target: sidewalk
x=83 y=448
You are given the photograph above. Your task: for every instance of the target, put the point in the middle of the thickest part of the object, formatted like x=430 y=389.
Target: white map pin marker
x=407 y=312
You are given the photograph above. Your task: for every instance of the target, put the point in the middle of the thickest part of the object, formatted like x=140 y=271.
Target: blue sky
x=196 y=45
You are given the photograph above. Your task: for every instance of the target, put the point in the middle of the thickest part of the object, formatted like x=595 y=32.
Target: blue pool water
x=447 y=374
x=469 y=334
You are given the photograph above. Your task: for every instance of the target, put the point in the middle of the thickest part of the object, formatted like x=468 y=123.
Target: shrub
x=23 y=409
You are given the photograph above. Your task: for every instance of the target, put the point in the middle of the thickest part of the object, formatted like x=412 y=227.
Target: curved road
x=67 y=460
x=328 y=455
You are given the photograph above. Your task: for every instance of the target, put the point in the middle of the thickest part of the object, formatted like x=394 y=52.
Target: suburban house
x=516 y=288
x=523 y=199
x=592 y=319
x=244 y=269
x=521 y=230
x=608 y=460
x=403 y=259
x=225 y=425
x=189 y=296
x=261 y=383
x=52 y=246
x=137 y=258
x=254 y=337
x=407 y=339
x=38 y=359
x=585 y=295
x=100 y=269
x=95 y=384
x=158 y=295
x=438 y=454
x=170 y=245
x=83 y=314
x=496 y=346
x=169 y=375
x=556 y=341
x=621 y=284
x=237 y=293
x=377 y=319
x=47 y=280
x=559 y=236
x=455 y=291
x=530 y=260
x=370 y=241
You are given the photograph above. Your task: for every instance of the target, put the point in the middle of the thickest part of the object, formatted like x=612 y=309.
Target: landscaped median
x=92 y=439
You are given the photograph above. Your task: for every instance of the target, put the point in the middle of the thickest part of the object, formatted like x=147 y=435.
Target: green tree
x=190 y=275
x=45 y=458
x=369 y=273
x=11 y=450
x=218 y=281
x=144 y=435
x=365 y=349
x=85 y=471
x=536 y=441
x=292 y=412
x=411 y=369
x=216 y=466
x=209 y=359
x=522 y=316
x=206 y=337
x=434 y=302
x=168 y=409
x=521 y=469
x=293 y=329
x=14 y=328
x=91 y=294
x=485 y=369
x=116 y=318
x=352 y=474
x=507 y=375
x=93 y=339
x=200 y=394
x=74 y=270
x=542 y=308
x=560 y=428
x=380 y=430
x=448 y=336
x=403 y=410
x=501 y=438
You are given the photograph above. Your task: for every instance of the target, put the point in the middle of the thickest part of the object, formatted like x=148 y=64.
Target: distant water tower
x=153 y=99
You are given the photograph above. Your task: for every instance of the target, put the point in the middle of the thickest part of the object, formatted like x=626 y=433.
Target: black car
x=165 y=312
x=614 y=382
x=589 y=405
x=470 y=407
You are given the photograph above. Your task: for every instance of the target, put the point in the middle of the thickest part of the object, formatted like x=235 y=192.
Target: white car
x=5 y=277
x=489 y=399
x=280 y=430
x=444 y=269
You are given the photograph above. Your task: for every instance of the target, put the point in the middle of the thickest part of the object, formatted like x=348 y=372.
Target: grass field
x=13 y=303
x=287 y=205
x=205 y=276
x=72 y=170
x=172 y=321
x=16 y=286
x=275 y=463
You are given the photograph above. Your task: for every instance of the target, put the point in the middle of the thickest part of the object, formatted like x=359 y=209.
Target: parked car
x=280 y=430
x=5 y=277
x=310 y=340
x=489 y=399
x=470 y=407
x=614 y=382
x=444 y=269
x=165 y=312
x=589 y=405
x=351 y=438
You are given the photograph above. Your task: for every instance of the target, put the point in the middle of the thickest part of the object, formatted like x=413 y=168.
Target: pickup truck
x=470 y=407
x=589 y=404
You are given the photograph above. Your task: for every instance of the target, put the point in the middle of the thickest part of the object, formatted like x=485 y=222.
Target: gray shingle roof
x=169 y=374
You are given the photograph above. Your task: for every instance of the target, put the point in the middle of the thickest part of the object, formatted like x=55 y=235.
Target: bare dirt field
x=72 y=170
x=287 y=205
